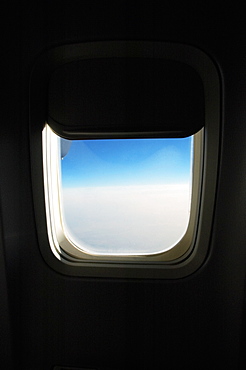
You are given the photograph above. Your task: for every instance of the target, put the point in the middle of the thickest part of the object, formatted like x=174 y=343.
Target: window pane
x=126 y=196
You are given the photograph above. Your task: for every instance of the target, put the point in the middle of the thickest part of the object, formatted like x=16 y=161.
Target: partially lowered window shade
x=125 y=97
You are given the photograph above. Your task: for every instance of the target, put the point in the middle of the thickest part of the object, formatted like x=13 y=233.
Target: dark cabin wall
x=123 y=324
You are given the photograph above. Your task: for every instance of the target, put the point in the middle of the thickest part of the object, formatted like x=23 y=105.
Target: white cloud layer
x=127 y=220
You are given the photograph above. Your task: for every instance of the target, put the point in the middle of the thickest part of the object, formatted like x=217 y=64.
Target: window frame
x=174 y=265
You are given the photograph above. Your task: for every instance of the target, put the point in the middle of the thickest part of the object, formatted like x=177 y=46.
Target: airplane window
x=120 y=197
x=127 y=192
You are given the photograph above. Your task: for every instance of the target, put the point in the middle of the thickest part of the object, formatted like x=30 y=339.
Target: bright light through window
x=125 y=196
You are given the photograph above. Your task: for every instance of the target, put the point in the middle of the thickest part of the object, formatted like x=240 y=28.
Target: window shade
x=125 y=97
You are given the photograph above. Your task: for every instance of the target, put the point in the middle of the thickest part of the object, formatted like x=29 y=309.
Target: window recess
x=122 y=198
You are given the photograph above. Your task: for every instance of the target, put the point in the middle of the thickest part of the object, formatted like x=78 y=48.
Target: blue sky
x=127 y=162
